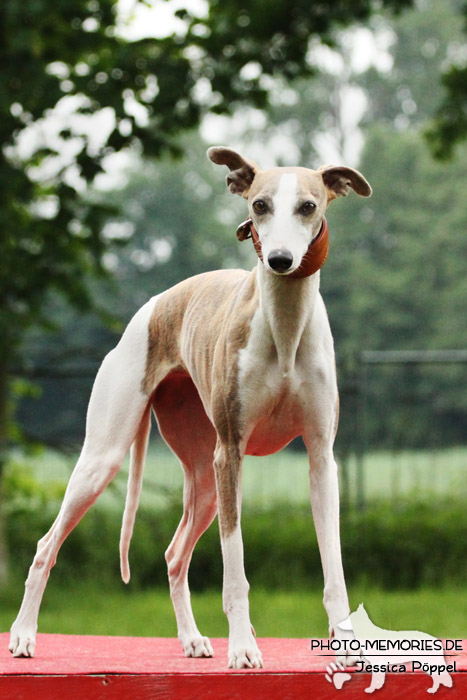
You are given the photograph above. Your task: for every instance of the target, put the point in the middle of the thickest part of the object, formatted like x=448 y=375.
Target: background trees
x=75 y=93
x=175 y=219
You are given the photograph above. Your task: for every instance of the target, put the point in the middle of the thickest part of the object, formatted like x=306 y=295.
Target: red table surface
x=61 y=654
x=138 y=668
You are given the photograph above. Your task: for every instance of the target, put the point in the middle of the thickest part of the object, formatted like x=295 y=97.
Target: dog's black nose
x=280 y=260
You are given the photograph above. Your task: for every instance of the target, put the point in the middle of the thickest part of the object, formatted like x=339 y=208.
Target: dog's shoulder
x=209 y=293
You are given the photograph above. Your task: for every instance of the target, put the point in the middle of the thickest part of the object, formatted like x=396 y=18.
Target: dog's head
x=358 y=622
x=286 y=205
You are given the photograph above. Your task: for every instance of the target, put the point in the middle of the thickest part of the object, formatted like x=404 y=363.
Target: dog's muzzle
x=312 y=261
x=280 y=260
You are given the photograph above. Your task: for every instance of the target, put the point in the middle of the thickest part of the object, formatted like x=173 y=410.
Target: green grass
x=284 y=476
x=431 y=473
x=86 y=608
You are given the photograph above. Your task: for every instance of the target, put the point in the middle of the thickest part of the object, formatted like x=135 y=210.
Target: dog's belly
x=275 y=428
x=265 y=440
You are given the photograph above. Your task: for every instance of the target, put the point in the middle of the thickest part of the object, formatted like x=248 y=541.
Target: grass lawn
x=90 y=608
x=283 y=475
x=93 y=608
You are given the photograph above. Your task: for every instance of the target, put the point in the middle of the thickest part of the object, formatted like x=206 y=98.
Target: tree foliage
x=68 y=74
x=449 y=127
x=70 y=52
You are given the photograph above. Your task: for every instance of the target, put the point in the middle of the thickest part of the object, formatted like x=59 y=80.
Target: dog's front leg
x=243 y=650
x=325 y=506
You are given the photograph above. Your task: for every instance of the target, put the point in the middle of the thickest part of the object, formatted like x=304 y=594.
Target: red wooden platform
x=137 y=668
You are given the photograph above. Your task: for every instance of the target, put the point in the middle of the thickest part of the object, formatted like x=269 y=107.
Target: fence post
x=361 y=433
x=347 y=382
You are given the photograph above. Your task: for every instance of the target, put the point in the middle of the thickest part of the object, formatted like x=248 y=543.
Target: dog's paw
x=197 y=647
x=335 y=676
x=22 y=642
x=351 y=652
x=349 y=658
x=245 y=655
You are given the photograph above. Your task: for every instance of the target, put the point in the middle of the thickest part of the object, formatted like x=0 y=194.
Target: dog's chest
x=272 y=420
x=272 y=392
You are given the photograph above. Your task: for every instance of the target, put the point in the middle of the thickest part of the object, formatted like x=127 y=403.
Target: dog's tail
x=135 y=480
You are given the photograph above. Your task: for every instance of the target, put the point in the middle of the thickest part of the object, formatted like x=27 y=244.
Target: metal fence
x=402 y=433
x=404 y=425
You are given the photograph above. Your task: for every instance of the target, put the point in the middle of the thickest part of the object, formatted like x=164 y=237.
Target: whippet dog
x=232 y=363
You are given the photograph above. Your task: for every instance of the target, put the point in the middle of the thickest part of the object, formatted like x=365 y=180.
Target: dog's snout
x=280 y=260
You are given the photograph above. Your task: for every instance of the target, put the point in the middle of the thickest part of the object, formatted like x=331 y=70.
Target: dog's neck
x=287 y=306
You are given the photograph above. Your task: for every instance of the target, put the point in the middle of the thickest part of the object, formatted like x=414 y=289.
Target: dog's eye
x=307 y=208
x=260 y=206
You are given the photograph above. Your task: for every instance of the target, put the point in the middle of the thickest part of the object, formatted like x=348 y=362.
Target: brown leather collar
x=314 y=257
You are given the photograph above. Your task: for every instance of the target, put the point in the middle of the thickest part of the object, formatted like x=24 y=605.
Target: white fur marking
x=284 y=204
x=286 y=194
x=284 y=230
x=243 y=650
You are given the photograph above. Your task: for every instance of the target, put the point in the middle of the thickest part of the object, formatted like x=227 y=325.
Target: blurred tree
x=396 y=80
x=399 y=262
x=403 y=250
x=421 y=45
x=450 y=124
x=413 y=194
x=398 y=293
x=177 y=219
x=383 y=287
x=69 y=76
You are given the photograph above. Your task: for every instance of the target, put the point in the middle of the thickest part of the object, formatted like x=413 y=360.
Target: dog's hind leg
x=200 y=507
x=115 y=411
x=188 y=431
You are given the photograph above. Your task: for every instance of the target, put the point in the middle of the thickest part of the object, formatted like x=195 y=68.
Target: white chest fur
x=282 y=369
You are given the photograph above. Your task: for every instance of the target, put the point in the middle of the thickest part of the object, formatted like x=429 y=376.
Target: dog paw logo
x=390 y=651
x=336 y=675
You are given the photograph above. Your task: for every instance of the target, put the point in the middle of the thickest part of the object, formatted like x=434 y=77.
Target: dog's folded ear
x=339 y=179
x=242 y=171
